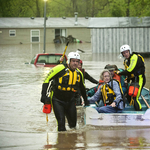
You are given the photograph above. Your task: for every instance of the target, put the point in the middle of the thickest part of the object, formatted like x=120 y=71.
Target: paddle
x=147 y=113
x=81 y=50
x=145 y=101
x=65 y=51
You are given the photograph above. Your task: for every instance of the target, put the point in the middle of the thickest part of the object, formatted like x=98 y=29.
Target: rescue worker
x=67 y=80
x=135 y=72
x=85 y=74
x=110 y=92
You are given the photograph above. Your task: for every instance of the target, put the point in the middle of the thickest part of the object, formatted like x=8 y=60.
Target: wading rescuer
x=135 y=72
x=66 y=81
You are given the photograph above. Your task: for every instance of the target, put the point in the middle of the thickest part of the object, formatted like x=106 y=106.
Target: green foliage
x=60 y=8
x=117 y=8
x=21 y=8
x=4 y=8
x=140 y=8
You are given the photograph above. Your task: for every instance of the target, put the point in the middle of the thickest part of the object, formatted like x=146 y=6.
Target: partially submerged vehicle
x=128 y=117
x=47 y=60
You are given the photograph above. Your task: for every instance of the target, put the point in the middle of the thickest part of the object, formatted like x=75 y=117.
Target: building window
x=35 y=35
x=60 y=36
x=60 y=32
x=12 y=33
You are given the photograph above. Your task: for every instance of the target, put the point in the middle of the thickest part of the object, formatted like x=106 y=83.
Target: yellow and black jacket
x=134 y=66
x=65 y=83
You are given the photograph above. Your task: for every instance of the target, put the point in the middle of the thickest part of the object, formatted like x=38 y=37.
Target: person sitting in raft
x=112 y=69
x=110 y=92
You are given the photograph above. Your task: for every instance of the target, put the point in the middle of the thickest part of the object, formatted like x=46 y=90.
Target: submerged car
x=47 y=60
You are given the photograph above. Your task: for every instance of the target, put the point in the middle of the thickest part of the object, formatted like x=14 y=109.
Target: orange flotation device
x=47 y=108
x=133 y=89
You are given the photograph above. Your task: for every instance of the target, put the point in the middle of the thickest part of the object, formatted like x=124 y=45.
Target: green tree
x=117 y=8
x=140 y=8
x=21 y=8
x=60 y=8
x=4 y=8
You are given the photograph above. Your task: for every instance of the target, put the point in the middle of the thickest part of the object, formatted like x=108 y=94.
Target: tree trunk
x=128 y=10
x=38 y=14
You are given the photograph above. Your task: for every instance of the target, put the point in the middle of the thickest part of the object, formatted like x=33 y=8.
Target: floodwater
x=24 y=126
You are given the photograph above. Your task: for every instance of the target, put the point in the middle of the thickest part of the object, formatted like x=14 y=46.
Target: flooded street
x=23 y=124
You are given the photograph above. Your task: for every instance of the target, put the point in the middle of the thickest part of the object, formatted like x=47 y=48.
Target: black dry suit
x=65 y=85
x=88 y=77
x=135 y=71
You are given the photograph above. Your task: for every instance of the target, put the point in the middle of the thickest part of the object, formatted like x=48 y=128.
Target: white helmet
x=74 y=55
x=124 y=48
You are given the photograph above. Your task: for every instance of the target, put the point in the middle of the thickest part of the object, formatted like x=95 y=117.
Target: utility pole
x=44 y=47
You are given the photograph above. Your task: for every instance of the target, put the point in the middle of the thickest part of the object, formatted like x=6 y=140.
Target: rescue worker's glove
x=45 y=100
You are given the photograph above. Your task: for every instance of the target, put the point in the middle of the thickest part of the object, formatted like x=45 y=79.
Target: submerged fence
x=109 y=34
x=110 y=40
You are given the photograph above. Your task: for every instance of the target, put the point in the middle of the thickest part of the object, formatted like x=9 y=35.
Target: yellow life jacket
x=69 y=81
x=64 y=79
x=108 y=94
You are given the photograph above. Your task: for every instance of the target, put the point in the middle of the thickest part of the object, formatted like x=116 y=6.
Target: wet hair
x=102 y=73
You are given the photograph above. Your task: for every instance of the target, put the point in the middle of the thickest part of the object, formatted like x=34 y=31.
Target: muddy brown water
x=24 y=126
